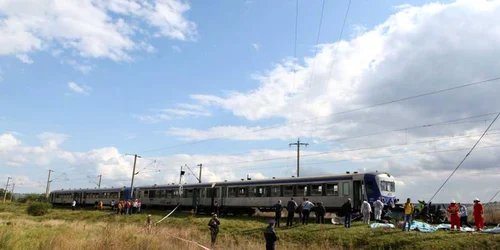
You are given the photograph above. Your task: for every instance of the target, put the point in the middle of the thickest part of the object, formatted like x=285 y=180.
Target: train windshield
x=387 y=186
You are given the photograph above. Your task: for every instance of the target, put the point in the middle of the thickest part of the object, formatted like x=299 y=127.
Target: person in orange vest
x=478 y=214
x=454 y=212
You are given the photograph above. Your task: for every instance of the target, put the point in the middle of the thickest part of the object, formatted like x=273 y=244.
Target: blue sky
x=145 y=78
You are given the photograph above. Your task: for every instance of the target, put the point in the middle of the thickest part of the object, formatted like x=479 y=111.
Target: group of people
x=304 y=211
x=458 y=215
x=456 y=212
x=127 y=207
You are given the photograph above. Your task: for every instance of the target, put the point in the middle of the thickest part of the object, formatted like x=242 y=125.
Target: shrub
x=38 y=209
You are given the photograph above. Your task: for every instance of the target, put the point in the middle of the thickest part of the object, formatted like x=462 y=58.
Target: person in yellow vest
x=408 y=212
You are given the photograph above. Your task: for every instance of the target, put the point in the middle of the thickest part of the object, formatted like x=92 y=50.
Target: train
x=246 y=196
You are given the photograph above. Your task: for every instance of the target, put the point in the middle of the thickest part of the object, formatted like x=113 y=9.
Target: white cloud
x=93 y=29
x=176 y=49
x=182 y=110
x=79 y=89
x=256 y=47
x=82 y=67
x=24 y=58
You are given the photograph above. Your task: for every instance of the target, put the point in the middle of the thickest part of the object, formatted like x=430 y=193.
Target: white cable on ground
x=168 y=214
x=198 y=244
x=186 y=240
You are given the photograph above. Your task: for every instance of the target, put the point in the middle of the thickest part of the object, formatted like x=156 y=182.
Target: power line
x=493 y=197
x=467 y=155
x=350 y=150
x=409 y=128
x=371 y=158
x=295 y=46
x=316 y=49
x=332 y=114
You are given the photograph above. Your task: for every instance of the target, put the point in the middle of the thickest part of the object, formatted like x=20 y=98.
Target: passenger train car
x=247 y=195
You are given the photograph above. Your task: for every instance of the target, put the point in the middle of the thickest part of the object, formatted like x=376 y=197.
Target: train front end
x=380 y=185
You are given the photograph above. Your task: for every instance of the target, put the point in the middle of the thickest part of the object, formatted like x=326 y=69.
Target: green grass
x=66 y=229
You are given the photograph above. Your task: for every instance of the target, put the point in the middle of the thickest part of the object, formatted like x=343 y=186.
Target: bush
x=38 y=209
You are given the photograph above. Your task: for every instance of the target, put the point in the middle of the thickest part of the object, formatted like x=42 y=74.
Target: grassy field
x=84 y=229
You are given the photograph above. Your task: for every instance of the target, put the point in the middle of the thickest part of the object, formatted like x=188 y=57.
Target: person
x=366 y=210
x=290 y=208
x=478 y=214
x=134 y=206
x=139 y=205
x=73 y=205
x=454 y=211
x=379 y=206
x=300 y=208
x=277 y=210
x=112 y=205
x=421 y=205
x=347 y=210
x=148 y=224
x=306 y=211
x=216 y=207
x=127 y=207
x=96 y=205
x=100 y=205
x=214 y=225
x=463 y=216
x=270 y=236
x=320 y=213
x=408 y=209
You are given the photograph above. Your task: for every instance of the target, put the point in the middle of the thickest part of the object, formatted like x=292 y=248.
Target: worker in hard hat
x=454 y=212
x=478 y=214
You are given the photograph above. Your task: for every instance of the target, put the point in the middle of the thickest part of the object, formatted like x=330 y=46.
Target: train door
x=223 y=192
x=196 y=198
x=357 y=194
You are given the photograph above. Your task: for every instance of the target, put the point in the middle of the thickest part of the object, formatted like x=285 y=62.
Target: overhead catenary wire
x=463 y=160
x=371 y=158
x=330 y=115
x=316 y=48
x=492 y=198
x=348 y=150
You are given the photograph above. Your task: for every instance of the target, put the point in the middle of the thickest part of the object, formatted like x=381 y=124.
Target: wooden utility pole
x=133 y=175
x=298 y=143
x=199 y=178
x=47 y=188
x=99 y=185
x=5 y=191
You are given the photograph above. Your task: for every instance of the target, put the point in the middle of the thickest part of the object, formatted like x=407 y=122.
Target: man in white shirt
x=306 y=210
x=73 y=205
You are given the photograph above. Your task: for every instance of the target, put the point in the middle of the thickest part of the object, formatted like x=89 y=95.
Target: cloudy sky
x=230 y=84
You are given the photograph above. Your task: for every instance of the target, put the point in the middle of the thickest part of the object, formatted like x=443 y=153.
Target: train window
x=302 y=190
x=316 y=190
x=387 y=186
x=274 y=191
x=332 y=189
x=345 y=188
x=288 y=190
x=232 y=192
x=187 y=193
x=260 y=191
x=242 y=192
x=152 y=194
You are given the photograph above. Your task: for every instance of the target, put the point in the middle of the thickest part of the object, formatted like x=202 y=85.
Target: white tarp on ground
x=381 y=225
x=448 y=227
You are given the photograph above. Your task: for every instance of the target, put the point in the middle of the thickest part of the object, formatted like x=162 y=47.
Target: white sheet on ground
x=381 y=225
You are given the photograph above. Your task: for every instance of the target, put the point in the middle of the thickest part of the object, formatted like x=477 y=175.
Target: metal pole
x=99 y=185
x=133 y=174
x=199 y=179
x=298 y=157
x=47 y=190
x=5 y=192
x=180 y=177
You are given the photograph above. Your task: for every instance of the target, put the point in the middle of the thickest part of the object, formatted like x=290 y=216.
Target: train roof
x=87 y=190
x=243 y=182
